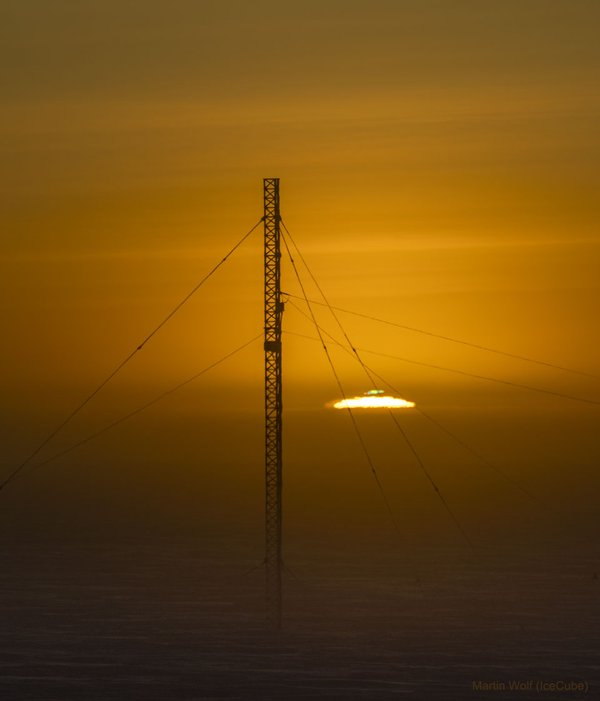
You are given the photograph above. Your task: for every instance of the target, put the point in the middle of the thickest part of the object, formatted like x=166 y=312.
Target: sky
x=439 y=169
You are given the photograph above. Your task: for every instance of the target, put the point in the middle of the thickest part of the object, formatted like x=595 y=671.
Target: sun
x=373 y=399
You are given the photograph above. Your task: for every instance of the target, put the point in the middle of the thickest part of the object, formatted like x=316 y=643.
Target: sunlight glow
x=373 y=399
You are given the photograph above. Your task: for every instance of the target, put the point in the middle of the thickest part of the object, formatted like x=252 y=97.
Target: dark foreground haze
x=137 y=574
x=174 y=620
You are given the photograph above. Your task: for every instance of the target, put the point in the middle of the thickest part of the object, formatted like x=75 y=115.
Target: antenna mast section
x=273 y=403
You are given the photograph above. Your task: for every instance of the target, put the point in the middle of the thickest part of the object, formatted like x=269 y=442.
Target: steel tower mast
x=273 y=403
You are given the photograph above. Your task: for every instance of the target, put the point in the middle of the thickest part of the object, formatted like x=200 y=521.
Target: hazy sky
x=438 y=165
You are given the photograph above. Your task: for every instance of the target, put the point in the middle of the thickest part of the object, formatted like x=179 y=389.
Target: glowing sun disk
x=373 y=402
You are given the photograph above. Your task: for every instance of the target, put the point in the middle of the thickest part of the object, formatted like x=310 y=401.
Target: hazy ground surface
x=173 y=620
x=139 y=577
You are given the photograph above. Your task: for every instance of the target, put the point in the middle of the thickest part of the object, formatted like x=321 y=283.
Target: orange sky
x=438 y=165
